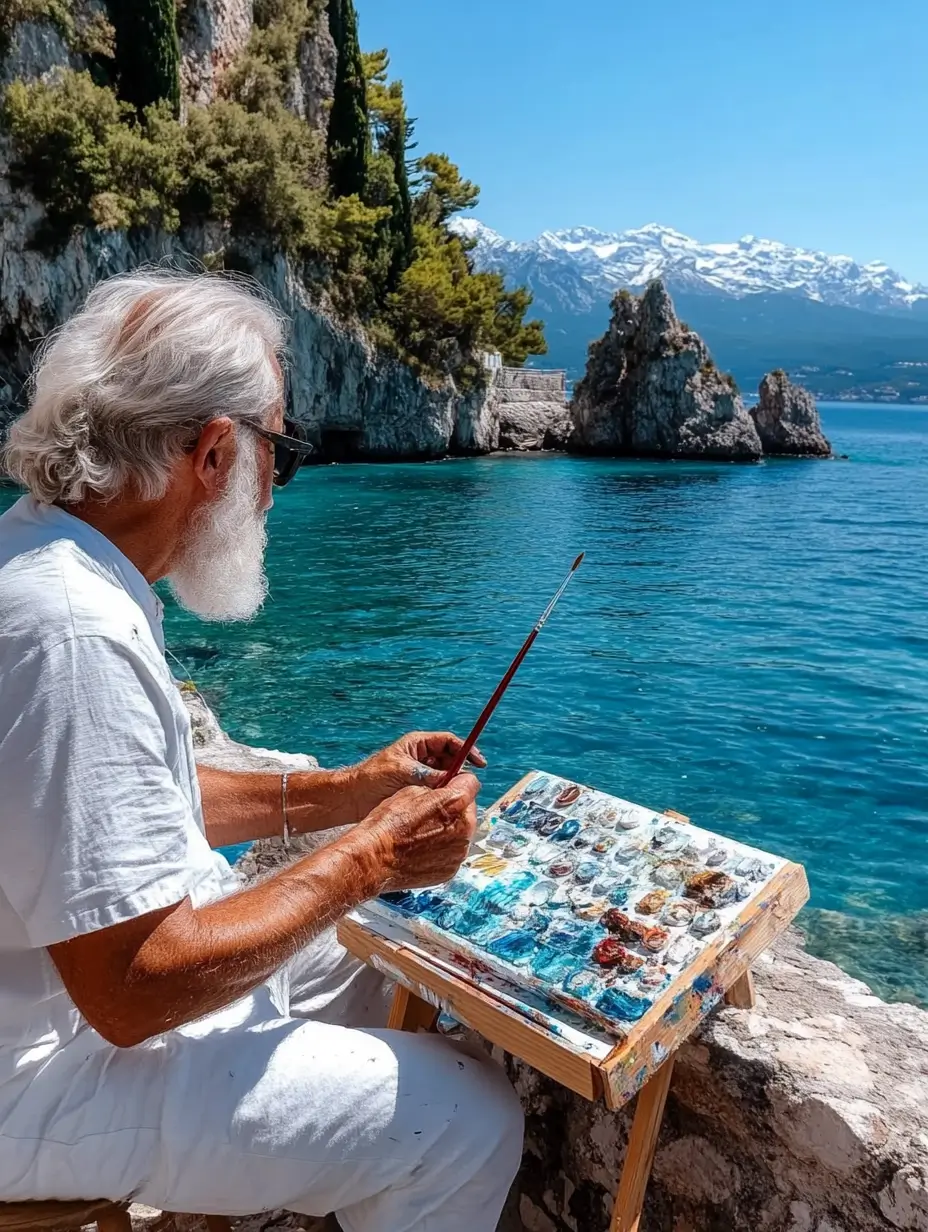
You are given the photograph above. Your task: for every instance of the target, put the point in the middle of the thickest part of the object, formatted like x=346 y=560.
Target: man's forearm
x=183 y=963
x=239 y=807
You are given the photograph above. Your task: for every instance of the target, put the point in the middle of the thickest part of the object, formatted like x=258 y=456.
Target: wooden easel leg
x=741 y=994
x=642 y=1143
x=410 y=1013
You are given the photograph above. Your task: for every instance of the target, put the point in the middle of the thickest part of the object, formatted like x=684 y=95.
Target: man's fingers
x=476 y=758
x=460 y=792
x=439 y=749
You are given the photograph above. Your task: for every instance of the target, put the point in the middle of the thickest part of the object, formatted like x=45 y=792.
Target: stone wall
x=531 y=405
x=807 y=1114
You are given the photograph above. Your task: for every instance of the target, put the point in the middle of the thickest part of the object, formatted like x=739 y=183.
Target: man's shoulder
x=50 y=591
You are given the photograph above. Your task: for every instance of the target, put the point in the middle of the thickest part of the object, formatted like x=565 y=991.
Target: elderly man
x=165 y=1034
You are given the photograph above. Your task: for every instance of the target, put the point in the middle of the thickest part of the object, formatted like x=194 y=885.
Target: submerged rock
x=787 y=419
x=652 y=389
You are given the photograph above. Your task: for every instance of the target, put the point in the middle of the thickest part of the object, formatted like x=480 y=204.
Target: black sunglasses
x=290 y=449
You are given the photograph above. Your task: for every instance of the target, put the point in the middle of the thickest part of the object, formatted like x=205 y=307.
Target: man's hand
x=420 y=836
x=417 y=760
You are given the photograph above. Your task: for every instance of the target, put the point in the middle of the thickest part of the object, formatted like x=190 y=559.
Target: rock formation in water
x=787 y=419
x=651 y=389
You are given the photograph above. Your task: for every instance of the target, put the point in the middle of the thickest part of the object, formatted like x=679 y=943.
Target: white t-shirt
x=100 y=817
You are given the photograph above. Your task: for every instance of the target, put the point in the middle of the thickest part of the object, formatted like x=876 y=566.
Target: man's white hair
x=132 y=378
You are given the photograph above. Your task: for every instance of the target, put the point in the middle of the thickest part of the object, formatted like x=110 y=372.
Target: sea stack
x=652 y=389
x=787 y=419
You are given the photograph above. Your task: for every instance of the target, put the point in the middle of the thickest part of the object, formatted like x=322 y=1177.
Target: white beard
x=219 y=574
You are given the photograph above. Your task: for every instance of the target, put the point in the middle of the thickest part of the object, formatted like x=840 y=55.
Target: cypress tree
x=401 y=221
x=147 y=52
x=349 y=132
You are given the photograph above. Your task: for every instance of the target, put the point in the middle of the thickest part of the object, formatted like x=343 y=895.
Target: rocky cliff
x=652 y=389
x=355 y=401
x=787 y=419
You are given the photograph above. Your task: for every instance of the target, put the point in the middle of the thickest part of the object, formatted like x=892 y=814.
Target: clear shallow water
x=745 y=644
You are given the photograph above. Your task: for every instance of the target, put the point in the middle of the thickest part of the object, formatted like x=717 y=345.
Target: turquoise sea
x=745 y=644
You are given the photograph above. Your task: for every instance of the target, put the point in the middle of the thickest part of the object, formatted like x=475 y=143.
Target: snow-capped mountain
x=577 y=268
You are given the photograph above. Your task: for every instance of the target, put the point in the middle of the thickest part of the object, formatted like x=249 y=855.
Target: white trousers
x=278 y=1102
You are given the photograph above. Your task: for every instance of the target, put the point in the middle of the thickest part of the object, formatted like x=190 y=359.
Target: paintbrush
x=465 y=750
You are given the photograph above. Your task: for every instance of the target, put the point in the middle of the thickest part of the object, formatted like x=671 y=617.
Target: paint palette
x=594 y=905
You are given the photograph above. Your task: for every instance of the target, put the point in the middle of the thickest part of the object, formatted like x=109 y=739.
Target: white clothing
x=251 y=1108
x=100 y=814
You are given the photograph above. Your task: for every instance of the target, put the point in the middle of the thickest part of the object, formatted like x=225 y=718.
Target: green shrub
x=443 y=313
x=87 y=159
x=259 y=171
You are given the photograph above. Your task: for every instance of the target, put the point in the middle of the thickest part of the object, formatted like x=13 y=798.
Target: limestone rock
x=36 y=48
x=212 y=33
x=315 y=85
x=787 y=419
x=532 y=408
x=904 y=1201
x=39 y=48
x=651 y=389
x=354 y=401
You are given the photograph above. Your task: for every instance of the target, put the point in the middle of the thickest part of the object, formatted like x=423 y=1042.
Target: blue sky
x=800 y=120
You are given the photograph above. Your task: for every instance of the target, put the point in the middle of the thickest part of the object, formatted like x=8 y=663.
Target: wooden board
x=466 y=1002
x=720 y=972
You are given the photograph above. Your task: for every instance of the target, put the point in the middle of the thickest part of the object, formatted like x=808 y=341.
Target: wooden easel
x=410 y=1013
x=642 y=1063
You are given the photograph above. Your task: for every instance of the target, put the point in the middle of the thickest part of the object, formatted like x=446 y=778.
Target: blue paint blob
x=569 y=830
x=517 y=812
x=565 y=934
x=702 y=983
x=615 y=1003
x=619 y=896
x=503 y=894
x=543 y=822
x=426 y=903
x=585 y=872
x=514 y=947
x=468 y=922
x=552 y=964
x=536 y=922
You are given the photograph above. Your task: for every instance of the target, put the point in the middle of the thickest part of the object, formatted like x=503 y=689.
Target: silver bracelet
x=283 y=804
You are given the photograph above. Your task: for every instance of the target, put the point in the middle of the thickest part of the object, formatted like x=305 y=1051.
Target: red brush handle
x=465 y=750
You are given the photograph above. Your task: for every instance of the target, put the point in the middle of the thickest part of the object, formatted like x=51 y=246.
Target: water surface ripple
x=745 y=644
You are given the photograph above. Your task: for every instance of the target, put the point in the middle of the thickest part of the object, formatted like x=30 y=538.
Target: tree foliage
x=147 y=52
x=443 y=191
x=349 y=134
x=86 y=157
x=370 y=233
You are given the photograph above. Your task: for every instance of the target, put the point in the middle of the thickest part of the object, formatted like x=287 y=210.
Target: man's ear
x=214 y=455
